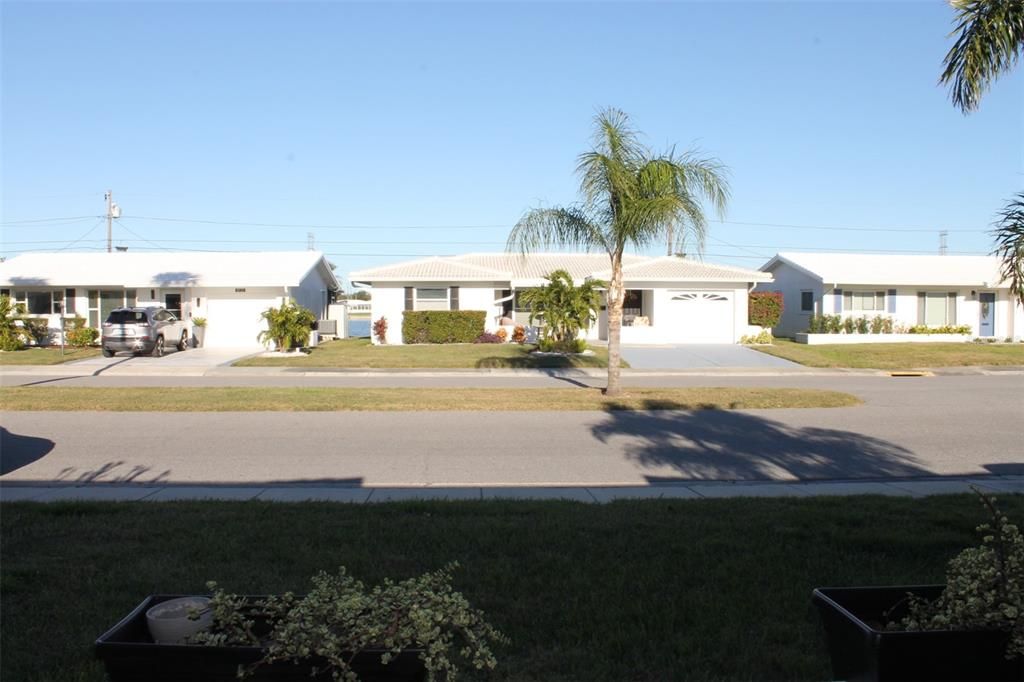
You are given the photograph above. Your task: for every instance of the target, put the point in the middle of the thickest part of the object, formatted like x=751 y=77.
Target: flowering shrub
x=488 y=337
x=764 y=308
x=380 y=330
x=502 y=334
x=519 y=334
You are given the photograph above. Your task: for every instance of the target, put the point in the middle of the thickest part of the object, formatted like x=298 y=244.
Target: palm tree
x=565 y=307
x=11 y=335
x=1010 y=245
x=990 y=40
x=287 y=326
x=630 y=197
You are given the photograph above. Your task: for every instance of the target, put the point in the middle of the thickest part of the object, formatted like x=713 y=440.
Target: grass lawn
x=237 y=399
x=360 y=353
x=635 y=590
x=46 y=356
x=897 y=355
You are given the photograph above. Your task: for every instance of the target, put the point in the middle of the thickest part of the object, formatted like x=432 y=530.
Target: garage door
x=702 y=316
x=234 y=322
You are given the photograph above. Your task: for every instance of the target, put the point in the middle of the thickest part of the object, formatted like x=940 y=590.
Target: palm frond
x=543 y=228
x=1009 y=234
x=990 y=39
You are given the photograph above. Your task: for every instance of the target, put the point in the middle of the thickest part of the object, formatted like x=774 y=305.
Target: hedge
x=764 y=308
x=442 y=326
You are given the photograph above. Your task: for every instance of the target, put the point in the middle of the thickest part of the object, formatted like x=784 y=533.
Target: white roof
x=531 y=269
x=165 y=269
x=888 y=269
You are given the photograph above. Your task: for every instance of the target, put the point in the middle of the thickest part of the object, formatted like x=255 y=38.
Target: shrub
x=764 y=308
x=848 y=325
x=519 y=334
x=36 y=330
x=488 y=337
x=833 y=323
x=442 y=326
x=287 y=326
x=10 y=342
x=502 y=334
x=815 y=325
x=764 y=338
x=946 y=329
x=565 y=308
x=877 y=324
x=579 y=345
x=862 y=325
x=380 y=330
x=546 y=345
x=81 y=336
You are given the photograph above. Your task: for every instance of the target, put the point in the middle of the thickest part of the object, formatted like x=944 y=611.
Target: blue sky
x=356 y=121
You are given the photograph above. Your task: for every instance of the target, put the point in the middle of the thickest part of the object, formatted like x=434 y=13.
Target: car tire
x=107 y=353
x=158 y=347
x=183 y=343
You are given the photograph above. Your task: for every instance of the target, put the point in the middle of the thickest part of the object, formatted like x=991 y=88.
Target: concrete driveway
x=174 y=361
x=700 y=356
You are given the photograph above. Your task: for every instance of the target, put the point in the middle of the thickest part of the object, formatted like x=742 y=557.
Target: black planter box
x=130 y=655
x=863 y=651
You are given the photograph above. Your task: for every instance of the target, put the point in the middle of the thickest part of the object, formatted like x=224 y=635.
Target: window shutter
x=920 y=307
x=453 y=298
x=839 y=300
x=890 y=303
x=847 y=301
x=951 y=308
x=408 y=298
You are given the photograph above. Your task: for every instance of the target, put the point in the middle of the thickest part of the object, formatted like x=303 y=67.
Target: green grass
x=46 y=356
x=309 y=399
x=635 y=590
x=897 y=355
x=361 y=354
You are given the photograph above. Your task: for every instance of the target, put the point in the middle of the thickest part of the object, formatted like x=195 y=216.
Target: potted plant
x=416 y=629
x=198 y=331
x=971 y=628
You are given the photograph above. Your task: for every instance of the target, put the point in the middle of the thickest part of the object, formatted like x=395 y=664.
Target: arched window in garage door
x=699 y=296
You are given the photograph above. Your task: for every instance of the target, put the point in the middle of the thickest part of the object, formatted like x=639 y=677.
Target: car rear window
x=126 y=317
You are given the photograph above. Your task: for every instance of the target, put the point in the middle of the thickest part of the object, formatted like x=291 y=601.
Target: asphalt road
x=908 y=427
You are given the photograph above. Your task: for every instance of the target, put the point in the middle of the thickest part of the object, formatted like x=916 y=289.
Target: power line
x=90 y=231
x=130 y=231
x=48 y=220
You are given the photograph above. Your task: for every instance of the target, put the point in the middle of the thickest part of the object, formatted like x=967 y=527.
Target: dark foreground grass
x=637 y=590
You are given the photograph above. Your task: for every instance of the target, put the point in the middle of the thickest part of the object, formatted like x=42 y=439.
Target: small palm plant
x=287 y=326
x=1009 y=236
x=565 y=308
x=11 y=335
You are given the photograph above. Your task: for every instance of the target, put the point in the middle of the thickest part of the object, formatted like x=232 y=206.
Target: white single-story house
x=935 y=291
x=669 y=299
x=229 y=290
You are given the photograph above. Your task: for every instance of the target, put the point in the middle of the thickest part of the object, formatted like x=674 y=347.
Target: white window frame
x=878 y=306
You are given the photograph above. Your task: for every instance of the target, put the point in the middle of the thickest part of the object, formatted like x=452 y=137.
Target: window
x=433 y=298
x=867 y=300
x=39 y=302
x=69 y=301
x=807 y=301
x=936 y=308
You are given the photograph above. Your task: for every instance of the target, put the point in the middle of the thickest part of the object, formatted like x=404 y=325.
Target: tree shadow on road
x=17 y=451
x=706 y=444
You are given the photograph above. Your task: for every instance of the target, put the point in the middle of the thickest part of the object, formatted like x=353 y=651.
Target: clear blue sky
x=458 y=117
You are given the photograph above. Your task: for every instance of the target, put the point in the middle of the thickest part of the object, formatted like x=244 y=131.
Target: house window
x=69 y=301
x=865 y=301
x=936 y=308
x=432 y=298
x=807 y=301
x=39 y=302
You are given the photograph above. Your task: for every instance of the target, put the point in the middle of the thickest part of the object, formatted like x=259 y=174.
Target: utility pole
x=110 y=215
x=942 y=242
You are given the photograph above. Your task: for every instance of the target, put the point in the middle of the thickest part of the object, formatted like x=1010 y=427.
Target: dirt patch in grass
x=265 y=399
x=898 y=355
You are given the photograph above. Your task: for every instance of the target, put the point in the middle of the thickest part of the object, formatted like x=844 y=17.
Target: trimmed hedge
x=764 y=308
x=442 y=326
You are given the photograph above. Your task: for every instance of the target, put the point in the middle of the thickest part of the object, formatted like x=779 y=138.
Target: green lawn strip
x=897 y=355
x=635 y=590
x=46 y=356
x=361 y=354
x=277 y=399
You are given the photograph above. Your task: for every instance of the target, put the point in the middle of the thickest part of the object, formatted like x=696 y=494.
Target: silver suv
x=142 y=330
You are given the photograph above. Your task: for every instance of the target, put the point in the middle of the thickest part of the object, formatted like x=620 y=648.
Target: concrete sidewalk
x=131 y=493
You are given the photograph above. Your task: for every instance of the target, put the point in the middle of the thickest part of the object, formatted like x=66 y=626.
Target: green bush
x=36 y=330
x=442 y=326
x=947 y=329
x=862 y=325
x=764 y=338
x=288 y=326
x=81 y=336
x=764 y=308
x=9 y=341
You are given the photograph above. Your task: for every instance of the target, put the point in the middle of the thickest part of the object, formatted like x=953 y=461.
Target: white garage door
x=702 y=316
x=234 y=322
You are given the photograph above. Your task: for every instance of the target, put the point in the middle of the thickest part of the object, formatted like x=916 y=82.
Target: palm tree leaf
x=990 y=39
x=1009 y=236
x=543 y=228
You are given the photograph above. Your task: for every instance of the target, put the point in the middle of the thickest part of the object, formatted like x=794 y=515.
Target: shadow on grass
x=17 y=451
x=712 y=444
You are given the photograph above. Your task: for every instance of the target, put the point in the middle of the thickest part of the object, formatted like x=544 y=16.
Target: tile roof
x=165 y=269
x=907 y=270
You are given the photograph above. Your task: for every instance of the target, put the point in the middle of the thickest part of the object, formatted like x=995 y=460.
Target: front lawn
x=634 y=590
x=897 y=355
x=45 y=356
x=315 y=399
x=361 y=354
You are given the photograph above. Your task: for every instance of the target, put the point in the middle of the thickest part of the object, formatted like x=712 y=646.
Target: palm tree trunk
x=615 y=298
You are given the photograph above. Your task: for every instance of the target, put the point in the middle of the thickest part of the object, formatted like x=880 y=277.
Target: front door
x=987 y=323
x=173 y=304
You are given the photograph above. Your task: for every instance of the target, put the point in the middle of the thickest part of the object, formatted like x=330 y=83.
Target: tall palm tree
x=1010 y=245
x=990 y=40
x=629 y=197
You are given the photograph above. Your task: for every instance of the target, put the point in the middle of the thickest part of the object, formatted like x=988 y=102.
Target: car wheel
x=158 y=347
x=183 y=343
x=107 y=353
